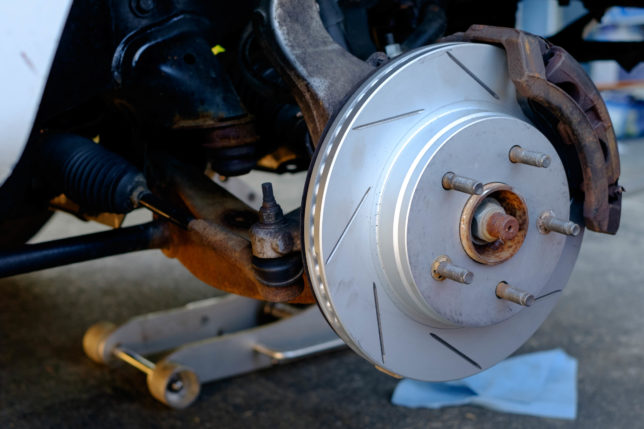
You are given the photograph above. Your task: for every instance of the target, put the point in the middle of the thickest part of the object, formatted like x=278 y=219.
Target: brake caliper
x=559 y=97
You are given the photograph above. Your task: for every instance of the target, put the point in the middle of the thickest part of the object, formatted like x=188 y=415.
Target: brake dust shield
x=394 y=252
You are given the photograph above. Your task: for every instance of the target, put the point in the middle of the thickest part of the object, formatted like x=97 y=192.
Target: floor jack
x=209 y=340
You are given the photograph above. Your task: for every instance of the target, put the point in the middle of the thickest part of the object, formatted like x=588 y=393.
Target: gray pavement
x=46 y=381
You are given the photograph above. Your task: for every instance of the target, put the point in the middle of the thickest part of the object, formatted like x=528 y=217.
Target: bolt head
x=574 y=229
x=545 y=161
x=468 y=278
x=142 y=7
x=529 y=300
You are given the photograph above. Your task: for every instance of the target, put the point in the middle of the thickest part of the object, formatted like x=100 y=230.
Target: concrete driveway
x=46 y=381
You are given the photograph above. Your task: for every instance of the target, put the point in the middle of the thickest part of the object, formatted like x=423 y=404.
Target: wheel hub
x=420 y=228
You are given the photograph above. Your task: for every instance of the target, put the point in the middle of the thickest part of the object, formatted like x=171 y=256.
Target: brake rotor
x=394 y=244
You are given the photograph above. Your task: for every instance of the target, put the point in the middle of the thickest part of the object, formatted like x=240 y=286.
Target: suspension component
x=101 y=181
x=275 y=241
x=92 y=176
x=217 y=247
x=32 y=257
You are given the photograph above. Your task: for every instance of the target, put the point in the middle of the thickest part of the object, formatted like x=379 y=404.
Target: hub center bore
x=494 y=225
x=439 y=225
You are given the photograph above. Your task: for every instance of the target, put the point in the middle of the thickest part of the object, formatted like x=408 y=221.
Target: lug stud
x=442 y=268
x=462 y=184
x=547 y=222
x=537 y=159
x=512 y=294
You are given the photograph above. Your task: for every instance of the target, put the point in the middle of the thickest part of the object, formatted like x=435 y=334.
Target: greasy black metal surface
x=127 y=69
x=93 y=177
x=33 y=257
x=333 y=20
x=279 y=272
x=278 y=119
x=318 y=71
x=172 y=78
x=82 y=68
x=359 y=39
x=230 y=145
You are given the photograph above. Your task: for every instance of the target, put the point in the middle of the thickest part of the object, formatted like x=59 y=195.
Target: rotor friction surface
x=376 y=215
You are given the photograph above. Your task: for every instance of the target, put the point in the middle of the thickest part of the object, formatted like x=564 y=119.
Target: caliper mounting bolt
x=515 y=295
x=537 y=159
x=547 y=222
x=462 y=184
x=442 y=268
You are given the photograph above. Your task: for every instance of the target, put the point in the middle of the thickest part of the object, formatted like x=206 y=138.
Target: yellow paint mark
x=218 y=49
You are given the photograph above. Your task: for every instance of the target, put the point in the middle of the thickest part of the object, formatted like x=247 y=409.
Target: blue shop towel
x=540 y=384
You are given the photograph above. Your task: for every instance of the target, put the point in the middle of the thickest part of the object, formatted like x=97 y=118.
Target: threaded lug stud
x=463 y=184
x=515 y=295
x=548 y=222
x=442 y=268
x=536 y=159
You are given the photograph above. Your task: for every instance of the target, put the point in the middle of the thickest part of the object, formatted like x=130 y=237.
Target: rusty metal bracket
x=216 y=248
x=549 y=81
x=319 y=72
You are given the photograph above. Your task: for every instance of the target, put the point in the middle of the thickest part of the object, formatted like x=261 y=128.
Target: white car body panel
x=29 y=33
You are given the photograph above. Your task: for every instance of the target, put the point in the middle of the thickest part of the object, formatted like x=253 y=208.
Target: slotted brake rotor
x=436 y=224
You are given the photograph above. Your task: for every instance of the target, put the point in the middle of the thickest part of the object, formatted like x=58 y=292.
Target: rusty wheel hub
x=494 y=224
x=420 y=224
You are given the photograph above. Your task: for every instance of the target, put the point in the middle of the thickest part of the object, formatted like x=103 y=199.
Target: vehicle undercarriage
x=453 y=165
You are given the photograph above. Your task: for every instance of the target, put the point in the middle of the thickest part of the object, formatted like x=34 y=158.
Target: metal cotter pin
x=442 y=268
x=519 y=155
x=547 y=222
x=462 y=184
x=518 y=296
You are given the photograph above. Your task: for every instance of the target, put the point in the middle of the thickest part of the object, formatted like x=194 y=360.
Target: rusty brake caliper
x=552 y=88
x=556 y=93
